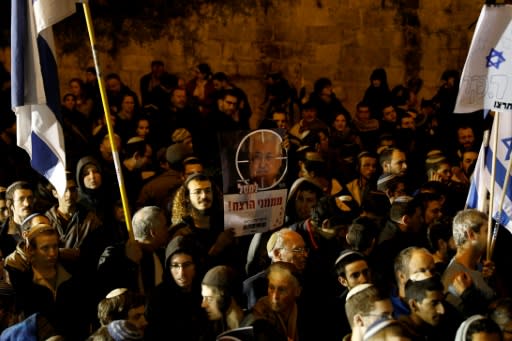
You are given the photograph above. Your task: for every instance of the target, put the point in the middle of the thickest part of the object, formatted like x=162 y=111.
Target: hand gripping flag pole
x=106 y=109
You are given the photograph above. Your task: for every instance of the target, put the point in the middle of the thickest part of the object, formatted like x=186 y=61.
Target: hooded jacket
x=98 y=200
x=172 y=312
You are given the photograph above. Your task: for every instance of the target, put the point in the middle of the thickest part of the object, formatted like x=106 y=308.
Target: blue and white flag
x=481 y=179
x=35 y=86
x=486 y=80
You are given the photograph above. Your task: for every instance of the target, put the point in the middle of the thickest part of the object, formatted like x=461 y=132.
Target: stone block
x=328 y=54
x=264 y=33
x=132 y=62
x=209 y=49
x=381 y=19
x=314 y=71
x=246 y=69
x=217 y=31
x=270 y=50
x=249 y=51
x=314 y=15
x=175 y=48
x=324 y=34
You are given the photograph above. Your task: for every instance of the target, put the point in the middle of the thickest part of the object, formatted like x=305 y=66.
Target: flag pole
x=493 y=183
x=500 y=207
x=106 y=109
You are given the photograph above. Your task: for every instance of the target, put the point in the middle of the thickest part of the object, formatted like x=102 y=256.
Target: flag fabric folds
x=486 y=80
x=481 y=179
x=35 y=86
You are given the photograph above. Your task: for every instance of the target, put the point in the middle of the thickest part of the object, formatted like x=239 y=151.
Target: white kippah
x=357 y=289
x=345 y=254
x=116 y=292
x=403 y=199
x=385 y=178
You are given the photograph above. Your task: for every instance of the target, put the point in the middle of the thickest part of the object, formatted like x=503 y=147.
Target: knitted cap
x=179 y=244
x=357 y=289
x=176 y=153
x=221 y=277
x=122 y=330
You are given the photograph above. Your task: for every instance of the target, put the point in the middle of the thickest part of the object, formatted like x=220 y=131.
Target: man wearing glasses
x=174 y=306
x=284 y=245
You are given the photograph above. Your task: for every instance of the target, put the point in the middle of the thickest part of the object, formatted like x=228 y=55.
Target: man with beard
x=468 y=287
x=393 y=161
x=20 y=202
x=366 y=180
x=197 y=211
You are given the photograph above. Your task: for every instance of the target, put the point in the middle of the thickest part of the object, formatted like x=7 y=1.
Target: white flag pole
x=496 y=124
x=500 y=206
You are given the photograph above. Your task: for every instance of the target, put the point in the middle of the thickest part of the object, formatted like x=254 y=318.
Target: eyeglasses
x=298 y=250
x=182 y=266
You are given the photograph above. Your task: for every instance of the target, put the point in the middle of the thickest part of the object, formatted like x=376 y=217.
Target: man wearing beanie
x=218 y=287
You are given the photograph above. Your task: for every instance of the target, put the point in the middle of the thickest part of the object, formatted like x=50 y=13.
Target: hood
x=80 y=166
x=180 y=244
x=300 y=182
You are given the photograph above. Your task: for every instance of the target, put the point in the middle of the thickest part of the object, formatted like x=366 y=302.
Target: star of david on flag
x=486 y=80
x=495 y=58
x=481 y=179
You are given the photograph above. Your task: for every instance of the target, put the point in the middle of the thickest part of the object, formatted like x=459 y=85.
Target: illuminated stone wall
x=305 y=39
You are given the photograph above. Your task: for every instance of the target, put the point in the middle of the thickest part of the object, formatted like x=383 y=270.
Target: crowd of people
x=376 y=243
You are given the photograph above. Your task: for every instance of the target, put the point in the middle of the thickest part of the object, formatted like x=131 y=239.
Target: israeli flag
x=486 y=80
x=35 y=85
x=481 y=179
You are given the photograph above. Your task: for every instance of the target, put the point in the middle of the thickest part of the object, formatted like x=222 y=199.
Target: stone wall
x=305 y=39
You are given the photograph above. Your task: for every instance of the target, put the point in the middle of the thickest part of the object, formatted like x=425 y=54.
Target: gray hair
x=404 y=258
x=465 y=220
x=277 y=240
x=146 y=219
